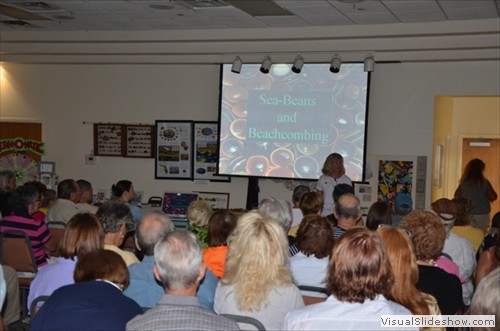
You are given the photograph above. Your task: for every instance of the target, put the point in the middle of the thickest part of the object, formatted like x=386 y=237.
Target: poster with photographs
x=206 y=152
x=108 y=139
x=174 y=149
x=139 y=141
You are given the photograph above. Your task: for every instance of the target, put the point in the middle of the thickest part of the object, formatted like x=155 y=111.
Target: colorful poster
x=394 y=177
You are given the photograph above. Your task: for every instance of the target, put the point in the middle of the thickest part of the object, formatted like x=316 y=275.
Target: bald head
x=347 y=209
x=151 y=229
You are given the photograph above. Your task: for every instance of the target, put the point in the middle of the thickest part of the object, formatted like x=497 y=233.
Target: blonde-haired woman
x=257 y=281
x=198 y=214
x=399 y=249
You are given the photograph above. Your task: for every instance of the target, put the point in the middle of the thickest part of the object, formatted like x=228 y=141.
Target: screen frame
x=365 y=138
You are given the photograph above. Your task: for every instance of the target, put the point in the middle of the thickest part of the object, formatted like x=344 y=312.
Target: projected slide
x=284 y=125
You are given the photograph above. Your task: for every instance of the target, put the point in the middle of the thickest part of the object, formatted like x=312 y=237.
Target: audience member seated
x=348 y=214
x=42 y=188
x=7 y=186
x=489 y=261
x=338 y=191
x=49 y=199
x=3 y=294
x=82 y=235
x=403 y=205
x=10 y=312
x=315 y=242
x=297 y=194
x=25 y=201
x=198 y=214
x=462 y=225
x=428 y=236
x=84 y=205
x=359 y=280
x=458 y=248
x=486 y=300
x=399 y=249
x=491 y=237
x=378 y=214
x=257 y=281
x=310 y=203
x=94 y=302
x=117 y=220
x=143 y=287
x=68 y=194
x=220 y=226
x=124 y=192
x=281 y=212
x=180 y=269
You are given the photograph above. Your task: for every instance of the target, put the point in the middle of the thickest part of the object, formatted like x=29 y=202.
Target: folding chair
x=17 y=253
x=246 y=320
x=308 y=299
x=56 y=230
x=37 y=304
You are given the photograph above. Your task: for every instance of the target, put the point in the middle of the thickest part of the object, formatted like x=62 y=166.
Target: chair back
x=17 y=253
x=246 y=320
x=56 y=230
x=309 y=299
x=37 y=304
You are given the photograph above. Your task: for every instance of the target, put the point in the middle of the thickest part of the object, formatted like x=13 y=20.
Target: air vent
x=202 y=4
x=39 y=7
x=17 y=24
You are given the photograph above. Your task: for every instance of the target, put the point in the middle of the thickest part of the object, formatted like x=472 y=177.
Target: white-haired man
x=179 y=266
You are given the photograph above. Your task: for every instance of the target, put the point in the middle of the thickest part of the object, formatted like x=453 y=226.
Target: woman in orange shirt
x=220 y=226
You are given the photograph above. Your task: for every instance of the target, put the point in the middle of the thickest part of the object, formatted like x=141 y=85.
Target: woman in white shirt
x=359 y=277
x=315 y=242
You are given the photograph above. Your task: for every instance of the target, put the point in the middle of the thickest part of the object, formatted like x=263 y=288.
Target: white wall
x=62 y=97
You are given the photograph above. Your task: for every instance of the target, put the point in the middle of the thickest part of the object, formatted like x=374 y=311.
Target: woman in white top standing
x=333 y=174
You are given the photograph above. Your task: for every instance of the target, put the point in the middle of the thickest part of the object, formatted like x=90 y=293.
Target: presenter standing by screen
x=333 y=174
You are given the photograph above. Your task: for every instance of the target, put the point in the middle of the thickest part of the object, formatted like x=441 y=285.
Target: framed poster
x=396 y=176
x=139 y=141
x=206 y=151
x=174 y=150
x=214 y=199
x=46 y=167
x=108 y=139
x=364 y=193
